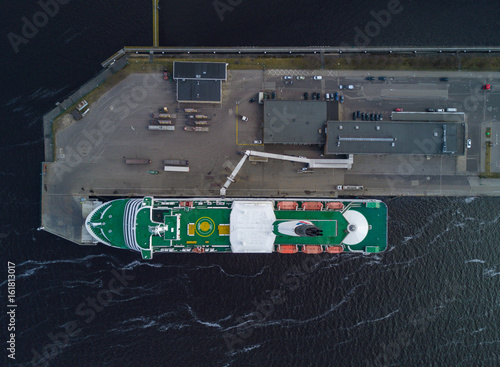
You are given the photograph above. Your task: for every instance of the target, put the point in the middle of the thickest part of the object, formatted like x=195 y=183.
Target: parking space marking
x=236 y=123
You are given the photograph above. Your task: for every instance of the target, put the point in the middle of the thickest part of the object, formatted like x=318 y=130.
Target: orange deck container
x=312 y=249
x=312 y=205
x=334 y=249
x=287 y=205
x=335 y=205
x=288 y=249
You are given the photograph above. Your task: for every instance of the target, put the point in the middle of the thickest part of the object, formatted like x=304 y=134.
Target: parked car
x=371 y=117
x=444 y=79
x=382 y=78
x=341 y=86
x=354 y=115
x=342 y=99
x=350 y=86
x=380 y=117
x=439 y=109
x=300 y=77
x=469 y=143
x=288 y=81
x=358 y=113
x=430 y=110
x=273 y=95
x=327 y=96
x=370 y=78
x=336 y=96
x=375 y=117
x=287 y=77
x=306 y=96
x=313 y=97
x=487 y=87
x=253 y=99
x=317 y=77
x=257 y=141
x=398 y=109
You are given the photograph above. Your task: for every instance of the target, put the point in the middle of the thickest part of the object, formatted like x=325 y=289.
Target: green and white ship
x=152 y=225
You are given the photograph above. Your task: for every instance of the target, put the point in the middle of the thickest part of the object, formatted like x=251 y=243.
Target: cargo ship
x=202 y=225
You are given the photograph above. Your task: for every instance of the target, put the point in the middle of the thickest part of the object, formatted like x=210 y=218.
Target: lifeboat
x=312 y=205
x=199 y=250
x=334 y=249
x=287 y=205
x=312 y=249
x=288 y=249
x=187 y=204
x=335 y=205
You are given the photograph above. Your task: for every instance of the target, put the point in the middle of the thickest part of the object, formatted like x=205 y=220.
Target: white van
x=451 y=110
x=439 y=109
x=317 y=77
x=327 y=96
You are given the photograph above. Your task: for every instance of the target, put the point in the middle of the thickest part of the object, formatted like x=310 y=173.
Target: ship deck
x=204 y=225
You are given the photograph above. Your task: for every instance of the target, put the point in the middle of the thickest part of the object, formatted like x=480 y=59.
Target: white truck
x=261 y=97
x=349 y=187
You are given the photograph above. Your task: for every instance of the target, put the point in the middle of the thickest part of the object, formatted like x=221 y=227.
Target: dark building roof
x=332 y=111
x=393 y=137
x=294 y=122
x=200 y=70
x=76 y=115
x=201 y=91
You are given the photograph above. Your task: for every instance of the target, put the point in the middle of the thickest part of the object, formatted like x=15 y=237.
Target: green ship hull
x=151 y=225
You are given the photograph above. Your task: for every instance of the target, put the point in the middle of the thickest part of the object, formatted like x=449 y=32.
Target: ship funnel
x=300 y=228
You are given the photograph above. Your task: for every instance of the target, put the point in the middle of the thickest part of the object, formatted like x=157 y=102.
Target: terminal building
x=316 y=123
x=395 y=137
x=199 y=82
x=297 y=122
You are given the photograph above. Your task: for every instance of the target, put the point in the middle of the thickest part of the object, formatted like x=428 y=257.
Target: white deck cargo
x=251 y=227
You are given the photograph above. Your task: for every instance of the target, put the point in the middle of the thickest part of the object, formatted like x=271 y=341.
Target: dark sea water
x=432 y=299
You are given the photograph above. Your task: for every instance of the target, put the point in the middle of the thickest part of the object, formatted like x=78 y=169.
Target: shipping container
x=175 y=162
x=137 y=161
x=161 y=127
x=176 y=169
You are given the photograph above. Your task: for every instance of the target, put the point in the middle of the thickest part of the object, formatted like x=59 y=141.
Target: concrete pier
x=89 y=158
x=156 y=23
